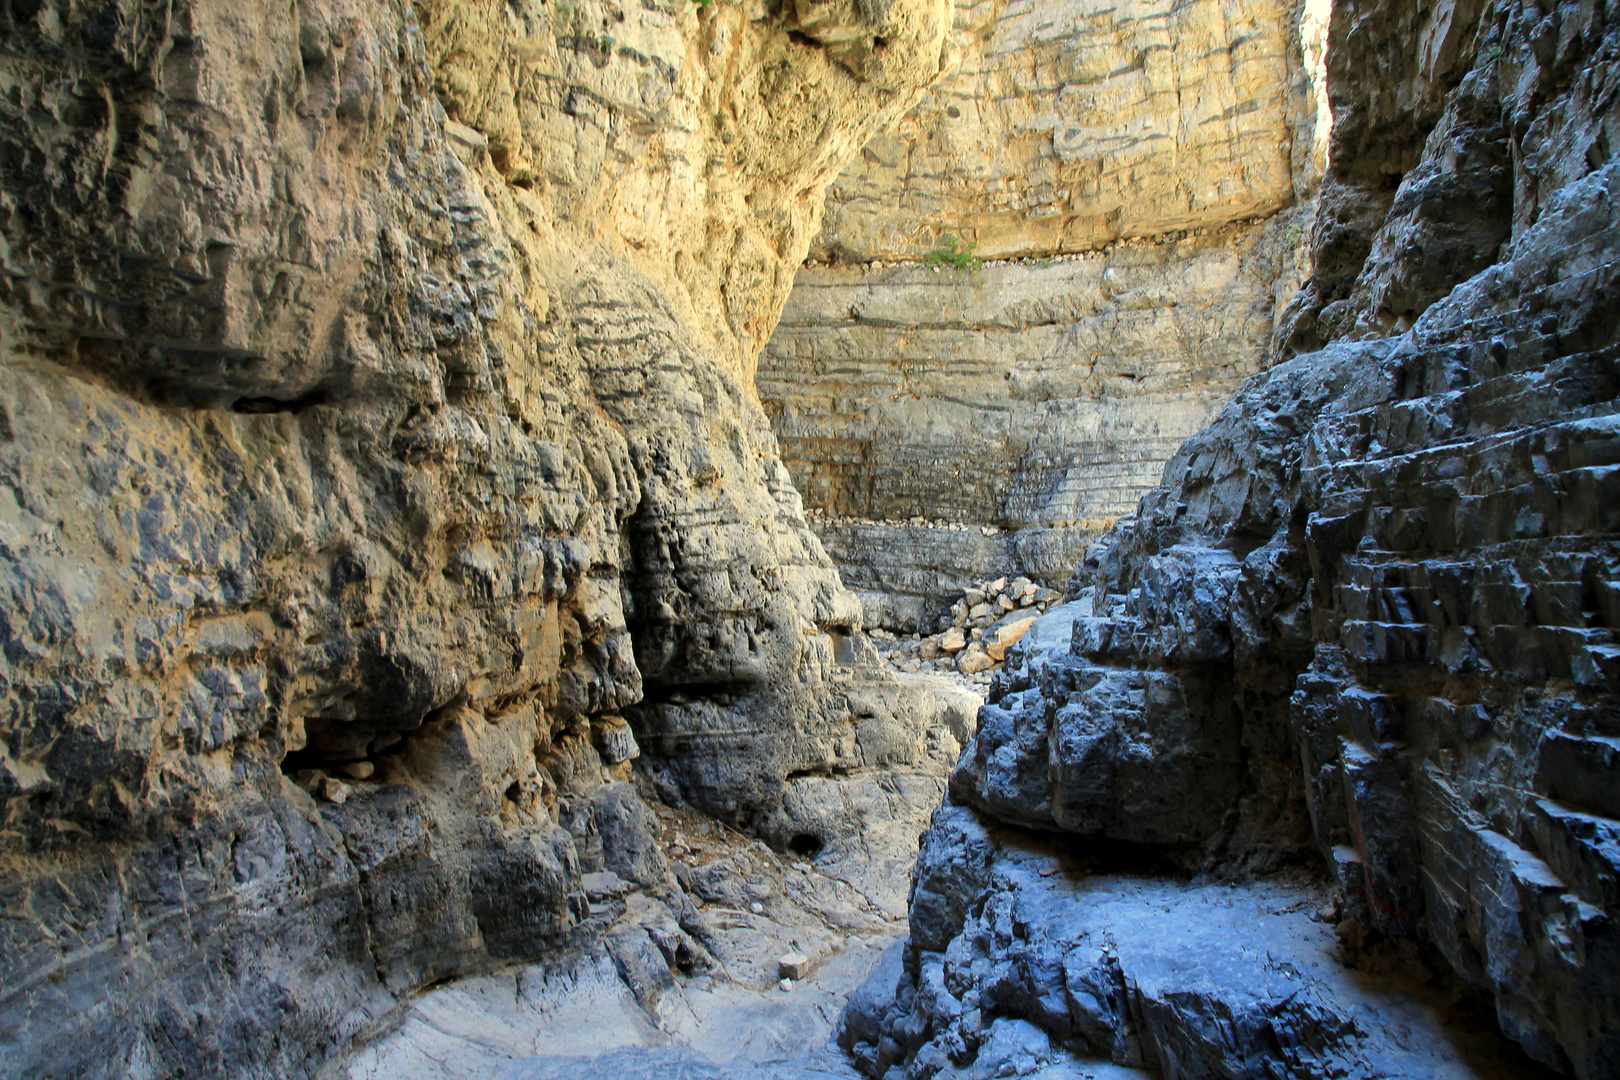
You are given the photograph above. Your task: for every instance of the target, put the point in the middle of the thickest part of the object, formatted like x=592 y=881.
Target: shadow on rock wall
x=375 y=432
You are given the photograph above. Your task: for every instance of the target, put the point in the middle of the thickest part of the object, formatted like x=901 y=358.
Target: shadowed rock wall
x=375 y=434
x=1369 y=613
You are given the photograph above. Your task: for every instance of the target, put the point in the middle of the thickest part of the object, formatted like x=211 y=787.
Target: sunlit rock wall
x=376 y=429
x=1145 y=173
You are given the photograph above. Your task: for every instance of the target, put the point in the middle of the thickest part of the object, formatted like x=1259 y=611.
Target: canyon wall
x=380 y=472
x=1142 y=176
x=1368 y=617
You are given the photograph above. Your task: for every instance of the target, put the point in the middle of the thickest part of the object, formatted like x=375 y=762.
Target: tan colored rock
x=1068 y=387
x=361 y=359
x=953 y=640
x=1165 y=153
x=974 y=660
x=1006 y=637
x=1068 y=126
x=793 y=965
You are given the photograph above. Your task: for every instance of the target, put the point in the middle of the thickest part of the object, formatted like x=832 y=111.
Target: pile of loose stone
x=822 y=517
x=988 y=620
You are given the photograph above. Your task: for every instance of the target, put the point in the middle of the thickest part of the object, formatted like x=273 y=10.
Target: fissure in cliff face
x=383 y=473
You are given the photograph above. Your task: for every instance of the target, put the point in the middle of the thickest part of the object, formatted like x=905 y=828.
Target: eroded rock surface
x=735 y=963
x=1067 y=126
x=379 y=472
x=1039 y=399
x=1060 y=967
x=1367 y=616
x=1145 y=172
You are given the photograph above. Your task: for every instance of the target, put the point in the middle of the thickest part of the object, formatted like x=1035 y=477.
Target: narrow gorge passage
x=773 y=539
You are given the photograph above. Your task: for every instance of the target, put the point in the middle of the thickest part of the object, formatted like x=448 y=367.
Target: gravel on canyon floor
x=686 y=980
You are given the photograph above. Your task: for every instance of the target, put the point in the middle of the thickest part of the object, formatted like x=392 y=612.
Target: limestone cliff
x=376 y=431
x=1144 y=172
x=1368 y=615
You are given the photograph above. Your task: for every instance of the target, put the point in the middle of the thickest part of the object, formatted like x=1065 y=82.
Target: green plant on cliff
x=955 y=254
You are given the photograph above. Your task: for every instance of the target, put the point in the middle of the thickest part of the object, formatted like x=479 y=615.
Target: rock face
x=1069 y=126
x=1139 y=976
x=1149 y=169
x=1368 y=615
x=1042 y=400
x=376 y=443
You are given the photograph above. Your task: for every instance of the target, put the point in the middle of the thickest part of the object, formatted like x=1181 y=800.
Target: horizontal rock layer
x=1041 y=399
x=1174 y=147
x=1368 y=613
x=1016 y=395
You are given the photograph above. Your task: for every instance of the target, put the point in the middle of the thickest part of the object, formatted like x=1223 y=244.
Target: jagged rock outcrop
x=377 y=442
x=1148 y=171
x=1368 y=613
x=1063 y=966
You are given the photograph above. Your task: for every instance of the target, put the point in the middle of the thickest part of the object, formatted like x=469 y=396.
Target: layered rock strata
x=380 y=472
x=1368 y=614
x=1144 y=174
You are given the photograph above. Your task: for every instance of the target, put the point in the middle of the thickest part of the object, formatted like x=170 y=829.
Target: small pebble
x=757 y=908
x=786 y=985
